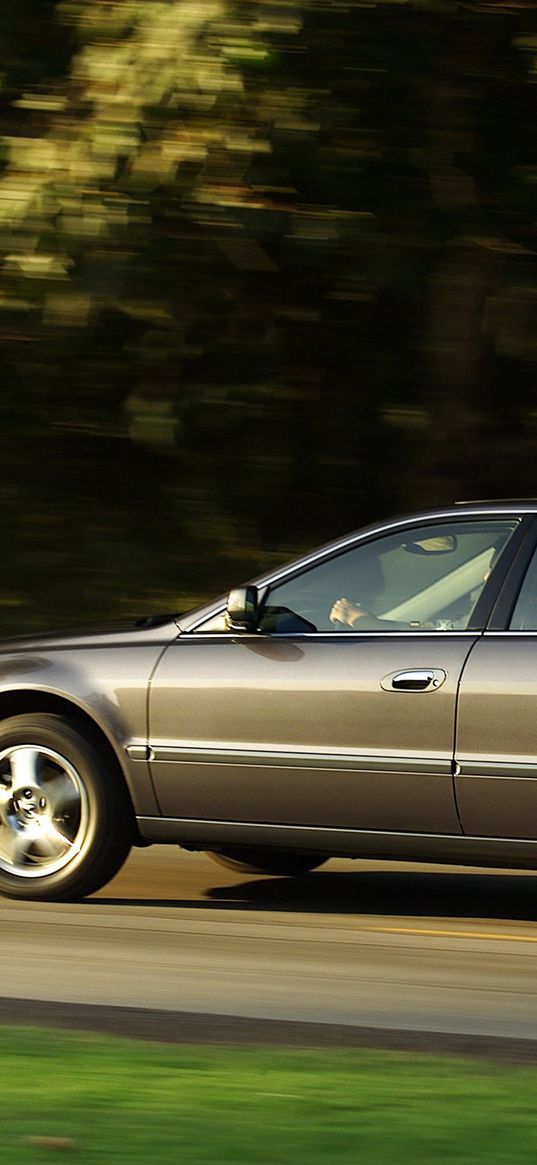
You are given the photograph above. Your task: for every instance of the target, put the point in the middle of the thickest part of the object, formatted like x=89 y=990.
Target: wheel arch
x=21 y=701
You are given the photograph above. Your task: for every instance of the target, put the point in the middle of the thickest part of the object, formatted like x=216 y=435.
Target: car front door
x=333 y=725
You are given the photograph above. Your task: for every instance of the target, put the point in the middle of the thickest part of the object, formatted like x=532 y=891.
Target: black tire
x=66 y=820
x=264 y=861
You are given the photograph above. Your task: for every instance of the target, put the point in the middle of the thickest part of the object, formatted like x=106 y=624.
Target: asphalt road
x=367 y=944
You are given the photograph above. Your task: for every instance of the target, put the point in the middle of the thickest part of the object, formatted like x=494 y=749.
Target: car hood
x=147 y=629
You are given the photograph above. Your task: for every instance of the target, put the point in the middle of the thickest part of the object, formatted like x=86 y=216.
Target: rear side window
x=524 y=616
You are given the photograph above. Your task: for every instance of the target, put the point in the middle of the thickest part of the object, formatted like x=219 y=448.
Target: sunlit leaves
x=265 y=270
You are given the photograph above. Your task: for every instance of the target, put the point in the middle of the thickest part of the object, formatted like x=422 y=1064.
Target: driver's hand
x=345 y=611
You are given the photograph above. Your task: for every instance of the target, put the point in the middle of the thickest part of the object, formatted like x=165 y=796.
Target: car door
x=329 y=725
x=496 y=748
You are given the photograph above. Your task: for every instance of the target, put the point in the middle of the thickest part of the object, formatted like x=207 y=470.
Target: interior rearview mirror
x=241 y=609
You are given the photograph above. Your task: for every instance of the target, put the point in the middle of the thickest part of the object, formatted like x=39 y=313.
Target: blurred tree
x=267 y=270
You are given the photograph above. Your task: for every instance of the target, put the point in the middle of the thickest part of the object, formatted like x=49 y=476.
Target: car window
x=427 y=577
x=524 y=617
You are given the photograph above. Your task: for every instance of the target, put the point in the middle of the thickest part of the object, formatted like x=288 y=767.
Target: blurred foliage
x=267 y=271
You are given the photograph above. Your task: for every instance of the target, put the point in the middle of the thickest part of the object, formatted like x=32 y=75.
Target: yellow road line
x=512 y=938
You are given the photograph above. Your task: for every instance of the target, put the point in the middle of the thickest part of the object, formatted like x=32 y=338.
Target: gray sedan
x=376 y=698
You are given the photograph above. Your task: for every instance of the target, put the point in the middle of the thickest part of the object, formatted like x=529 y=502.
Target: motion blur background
x=267 y=272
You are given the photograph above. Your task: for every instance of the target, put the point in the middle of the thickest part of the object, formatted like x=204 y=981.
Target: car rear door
x=496 y=744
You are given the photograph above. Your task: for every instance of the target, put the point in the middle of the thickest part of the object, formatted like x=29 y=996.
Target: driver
x=352 y=614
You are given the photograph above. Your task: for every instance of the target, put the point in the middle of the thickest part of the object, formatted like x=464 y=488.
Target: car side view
x=376 y=698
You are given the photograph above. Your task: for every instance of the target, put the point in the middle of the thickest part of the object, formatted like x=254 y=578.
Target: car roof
x=526 y=504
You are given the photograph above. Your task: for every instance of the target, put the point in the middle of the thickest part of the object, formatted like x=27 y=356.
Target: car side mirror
x=242 y=609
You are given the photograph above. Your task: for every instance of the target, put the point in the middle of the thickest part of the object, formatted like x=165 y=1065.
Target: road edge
x=185 y=1027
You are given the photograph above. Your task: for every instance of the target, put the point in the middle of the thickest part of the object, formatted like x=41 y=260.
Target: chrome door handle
x=425 y=679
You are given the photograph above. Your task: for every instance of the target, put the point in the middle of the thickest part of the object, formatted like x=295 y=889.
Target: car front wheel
x=66 y=821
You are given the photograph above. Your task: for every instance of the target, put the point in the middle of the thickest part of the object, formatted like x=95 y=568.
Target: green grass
x=129 y=1101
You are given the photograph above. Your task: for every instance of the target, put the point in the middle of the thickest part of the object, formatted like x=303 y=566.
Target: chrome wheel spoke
x=24 y=845
x=5 y=797
x=61 y=796
x=48 y=841
x=15 y=844
x=25 y=767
